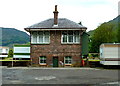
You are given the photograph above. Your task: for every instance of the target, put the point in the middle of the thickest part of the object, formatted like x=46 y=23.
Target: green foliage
x=91 y=32
x=108 y=32
x=28 y=43
x=93 y=55
x=10 y=54
x=118 y=33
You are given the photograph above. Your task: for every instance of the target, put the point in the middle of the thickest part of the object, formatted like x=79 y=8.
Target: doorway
x=55 y=61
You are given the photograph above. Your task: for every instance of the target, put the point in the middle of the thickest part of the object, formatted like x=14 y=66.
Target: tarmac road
x=24 y=75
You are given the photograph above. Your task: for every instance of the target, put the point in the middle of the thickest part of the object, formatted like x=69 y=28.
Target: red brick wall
x=55 y=48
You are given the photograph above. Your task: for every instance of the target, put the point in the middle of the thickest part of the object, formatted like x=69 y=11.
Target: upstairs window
x=68 y=60
x=42 y=59
x=70 y=37
x=34 y=37
x=40 y=37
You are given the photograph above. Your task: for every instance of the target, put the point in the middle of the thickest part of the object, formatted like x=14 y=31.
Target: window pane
x=68 y=60
x=64 y=38
x=40 y=33
x=46 y=33
x=64 y=33
x=70 y=38
x=46 y=36
x=76 y=38
x=46 y=39
x=40 y=37
x=76 y=32
x=70 y=32
x=34 y=34
x=43 y=59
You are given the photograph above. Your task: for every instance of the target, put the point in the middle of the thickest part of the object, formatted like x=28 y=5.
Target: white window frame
x=68 y=59
x=43 y=59
x=38 y=42
x=33 y=38
x=68 y=38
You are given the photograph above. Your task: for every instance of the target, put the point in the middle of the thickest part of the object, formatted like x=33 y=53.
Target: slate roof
x=62 y=23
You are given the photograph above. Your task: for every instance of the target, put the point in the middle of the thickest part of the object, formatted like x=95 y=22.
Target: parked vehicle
x=110 y=54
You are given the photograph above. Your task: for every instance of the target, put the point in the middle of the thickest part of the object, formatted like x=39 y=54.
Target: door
x=55 y=61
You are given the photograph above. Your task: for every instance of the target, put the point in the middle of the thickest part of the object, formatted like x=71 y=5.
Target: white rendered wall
x=21 y=49
x=21 y=52
x=21 y=56
x=3 y=55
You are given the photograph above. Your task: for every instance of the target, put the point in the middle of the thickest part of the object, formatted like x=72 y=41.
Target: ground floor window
x=42 y=59
x=68 y=60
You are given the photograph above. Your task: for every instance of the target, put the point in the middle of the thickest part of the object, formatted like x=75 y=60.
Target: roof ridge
x=62 y=23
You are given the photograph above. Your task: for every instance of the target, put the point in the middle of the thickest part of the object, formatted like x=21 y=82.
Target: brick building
x=56 y=42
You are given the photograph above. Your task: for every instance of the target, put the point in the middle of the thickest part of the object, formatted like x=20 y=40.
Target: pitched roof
x=62 y=23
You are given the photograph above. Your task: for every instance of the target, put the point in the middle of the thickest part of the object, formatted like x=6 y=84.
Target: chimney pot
x=55 y=7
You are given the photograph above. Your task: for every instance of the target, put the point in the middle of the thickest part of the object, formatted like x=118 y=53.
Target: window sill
x=40 y=43
x=42 y=64
x=70 y=43
x=68 y=64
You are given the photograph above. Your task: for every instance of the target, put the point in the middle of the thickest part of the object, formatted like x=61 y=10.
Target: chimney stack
x=55 y=16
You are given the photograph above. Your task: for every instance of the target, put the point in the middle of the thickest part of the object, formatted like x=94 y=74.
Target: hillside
x=107 y=32
x=91 y=32
x=10 y=36
x=113 y=22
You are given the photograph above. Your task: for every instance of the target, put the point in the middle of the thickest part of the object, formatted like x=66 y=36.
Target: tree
x=118 y=33
x=28 y=43
x=10 y=54
x=103 y=34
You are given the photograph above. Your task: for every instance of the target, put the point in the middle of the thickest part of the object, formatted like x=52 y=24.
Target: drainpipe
x=81 y=62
